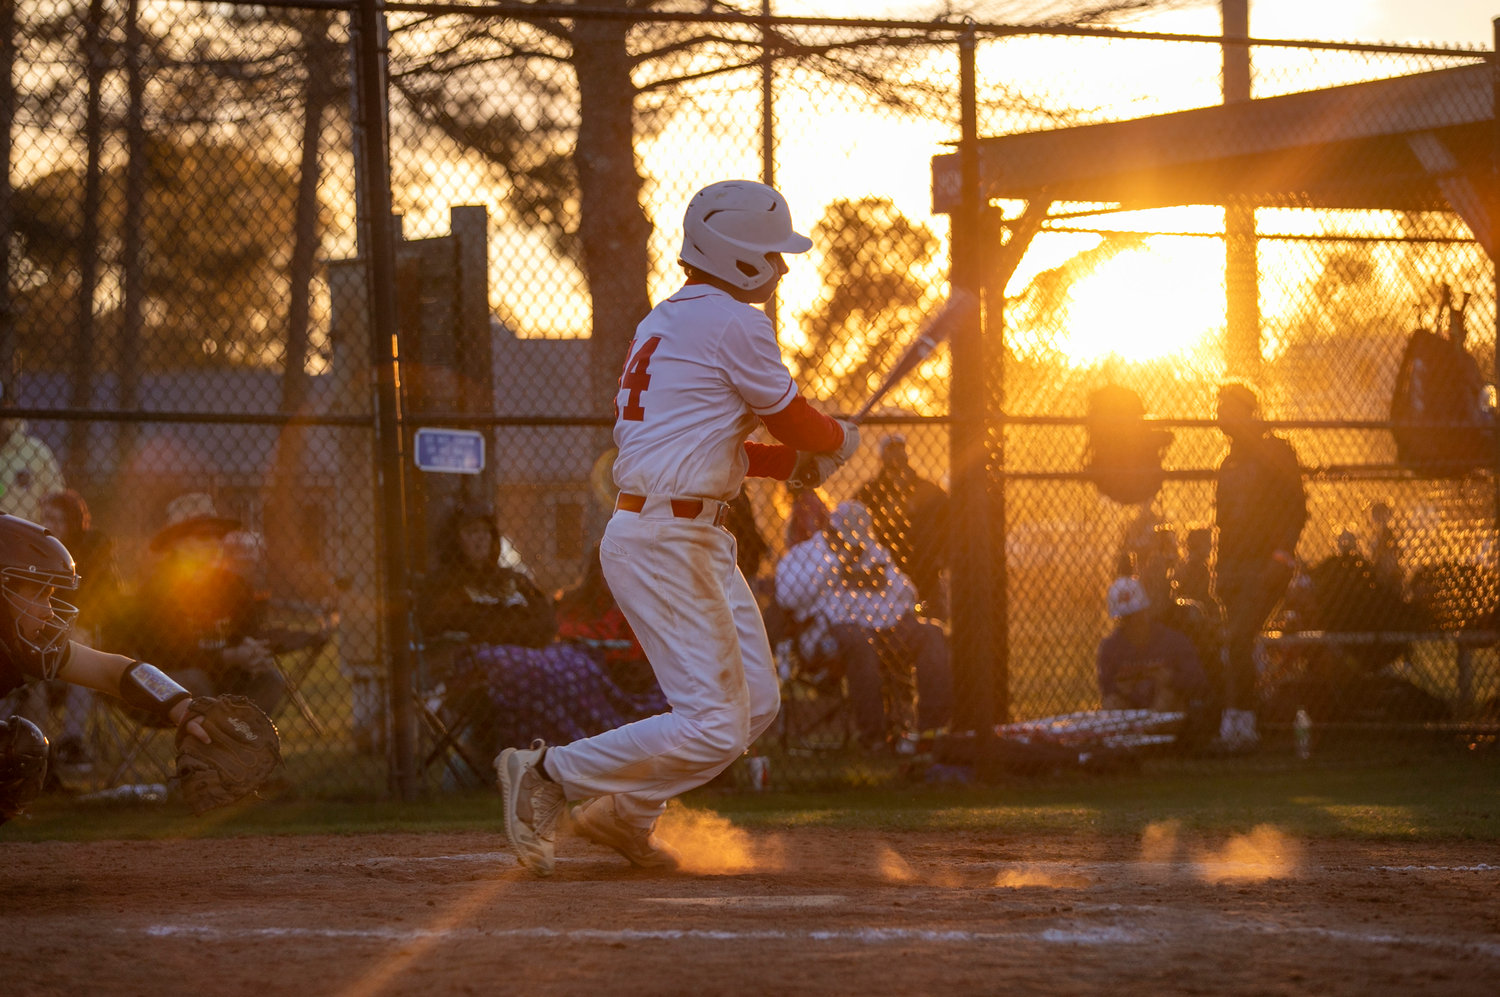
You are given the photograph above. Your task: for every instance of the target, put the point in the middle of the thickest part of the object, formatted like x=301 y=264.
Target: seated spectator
x=854 y=610
x=1192 y=578
x=808 y=516
x=588 y=615
x=595 y=679
x=1142 y=663
x=470 y=598
x=196 y=618
x=750 y=547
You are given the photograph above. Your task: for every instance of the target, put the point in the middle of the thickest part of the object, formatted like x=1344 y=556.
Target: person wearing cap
x=1144 y=664
x=854 y=609
x=911 y=521
x=196 y=617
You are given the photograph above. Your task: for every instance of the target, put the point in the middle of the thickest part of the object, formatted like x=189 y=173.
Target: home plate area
x=799 y=910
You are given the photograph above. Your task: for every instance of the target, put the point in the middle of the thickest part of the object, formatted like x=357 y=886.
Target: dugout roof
x=1420 y=142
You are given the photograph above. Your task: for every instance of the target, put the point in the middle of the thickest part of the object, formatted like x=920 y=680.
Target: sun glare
x=1164 y=299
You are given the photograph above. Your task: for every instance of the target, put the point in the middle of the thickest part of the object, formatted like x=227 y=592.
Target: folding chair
x=128 y=747
x=445 y=726
x=815 y=713
x=301 y=634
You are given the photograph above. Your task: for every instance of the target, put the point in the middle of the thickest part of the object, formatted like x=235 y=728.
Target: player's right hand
x=812 y=469
x=851 y=441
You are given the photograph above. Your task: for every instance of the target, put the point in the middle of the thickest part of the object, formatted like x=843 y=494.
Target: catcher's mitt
x=245 y=750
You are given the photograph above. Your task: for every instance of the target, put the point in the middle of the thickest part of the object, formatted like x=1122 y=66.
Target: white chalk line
x=1078 y=935
x=1481 y=867
x=869 y=936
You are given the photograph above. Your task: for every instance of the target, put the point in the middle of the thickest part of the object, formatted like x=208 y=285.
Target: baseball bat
x=960 y=306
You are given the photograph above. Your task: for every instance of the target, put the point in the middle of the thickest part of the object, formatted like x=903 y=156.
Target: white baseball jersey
x=702 y=369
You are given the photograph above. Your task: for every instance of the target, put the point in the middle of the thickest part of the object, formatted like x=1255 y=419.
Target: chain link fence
x=189 y=350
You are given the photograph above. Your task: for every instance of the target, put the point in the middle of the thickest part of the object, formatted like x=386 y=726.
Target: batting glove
x=812 y=469
x=851 y=441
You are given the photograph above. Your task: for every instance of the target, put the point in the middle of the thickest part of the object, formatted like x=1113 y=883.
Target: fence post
x=1492 y=209
x=974 y=627
x=390 y=499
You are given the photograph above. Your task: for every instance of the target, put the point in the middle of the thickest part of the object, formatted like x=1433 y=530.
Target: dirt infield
x=806 y=911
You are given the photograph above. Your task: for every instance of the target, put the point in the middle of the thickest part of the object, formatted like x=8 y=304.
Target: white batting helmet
x=731 y=226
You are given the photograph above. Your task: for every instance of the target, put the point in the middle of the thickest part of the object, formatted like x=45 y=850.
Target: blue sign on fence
x=450 y=451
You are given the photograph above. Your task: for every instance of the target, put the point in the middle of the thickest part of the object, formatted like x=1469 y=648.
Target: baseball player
x=703 y=370
x=34 y=645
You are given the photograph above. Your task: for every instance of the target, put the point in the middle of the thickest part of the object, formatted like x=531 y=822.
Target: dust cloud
x=709 y=844
x=1263 y=853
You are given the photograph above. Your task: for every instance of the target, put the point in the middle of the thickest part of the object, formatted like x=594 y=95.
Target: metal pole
x=1241 y=273
x=1492 y=222
x=390 y=495
x=768 y=133
x=974 y=628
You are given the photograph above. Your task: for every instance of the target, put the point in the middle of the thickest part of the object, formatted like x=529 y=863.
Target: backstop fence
x=295 y=288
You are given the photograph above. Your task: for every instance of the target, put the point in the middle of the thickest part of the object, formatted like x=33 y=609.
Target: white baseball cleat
x=533 y=805
x=597 y=821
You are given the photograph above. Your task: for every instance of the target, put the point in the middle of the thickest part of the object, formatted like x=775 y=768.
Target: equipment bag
x=1441 y=414
x=1124 y=454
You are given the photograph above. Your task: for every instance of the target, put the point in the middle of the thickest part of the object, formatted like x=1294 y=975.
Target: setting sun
x=1165 y=298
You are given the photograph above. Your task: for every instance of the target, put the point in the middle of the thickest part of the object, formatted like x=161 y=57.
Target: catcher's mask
x=732 y=227
x=34 y=566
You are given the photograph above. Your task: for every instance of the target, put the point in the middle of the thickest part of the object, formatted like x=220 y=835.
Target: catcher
x=226 y=746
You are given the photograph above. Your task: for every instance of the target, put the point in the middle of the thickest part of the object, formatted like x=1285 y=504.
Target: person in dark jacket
x=1260 y=508
x=470 y=598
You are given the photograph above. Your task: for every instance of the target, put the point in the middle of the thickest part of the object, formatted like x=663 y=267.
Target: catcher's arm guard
x=244 y=748
x=23 y=765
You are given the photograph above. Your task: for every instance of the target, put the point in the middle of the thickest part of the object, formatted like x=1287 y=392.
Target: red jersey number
x=637 y=378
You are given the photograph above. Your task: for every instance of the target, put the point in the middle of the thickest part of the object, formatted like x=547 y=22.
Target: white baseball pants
x=692 y=610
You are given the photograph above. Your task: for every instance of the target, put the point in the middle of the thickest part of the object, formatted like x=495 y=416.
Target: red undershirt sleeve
x=770 y=460
x=803 y=427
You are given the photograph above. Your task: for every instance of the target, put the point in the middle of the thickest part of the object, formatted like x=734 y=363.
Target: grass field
x=1365 y=790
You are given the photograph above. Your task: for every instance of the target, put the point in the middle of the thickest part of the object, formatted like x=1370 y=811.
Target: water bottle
x=1302 y=734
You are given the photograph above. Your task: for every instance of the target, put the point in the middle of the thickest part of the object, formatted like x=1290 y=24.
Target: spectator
x=809 y=515
x=597 y=678
x=750 y=547
x=100 y=587
x=855 y=609
x=28 y=470
x=196 y=617
x=470 y=597
x=1143 y=664
x=1193 y=577
x=911 y=520
x=1385 y=547
x=587 y=614
x=1260 y=507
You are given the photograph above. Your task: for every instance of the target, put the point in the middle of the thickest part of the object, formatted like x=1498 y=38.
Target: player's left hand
x=812 y=469
x=241 y=752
